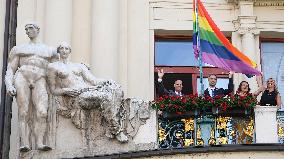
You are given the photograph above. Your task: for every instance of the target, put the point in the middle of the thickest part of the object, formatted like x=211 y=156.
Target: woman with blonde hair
x=270 y=94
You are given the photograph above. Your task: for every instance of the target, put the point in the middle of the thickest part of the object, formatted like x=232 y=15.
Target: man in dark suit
x=213 y=91
x=177 y=85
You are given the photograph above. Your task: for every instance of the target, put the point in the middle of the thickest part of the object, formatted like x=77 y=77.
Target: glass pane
x=174 y=53
x=221 y=83
x=273 y=63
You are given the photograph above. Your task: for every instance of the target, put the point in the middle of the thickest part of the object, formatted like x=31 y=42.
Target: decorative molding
x=261 y=2
x=269 y=3
x=246 y=24
x=245 y=30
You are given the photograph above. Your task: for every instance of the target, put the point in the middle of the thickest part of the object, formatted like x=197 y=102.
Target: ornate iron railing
x=280 y=121
x=202 y=130
x=176 y=131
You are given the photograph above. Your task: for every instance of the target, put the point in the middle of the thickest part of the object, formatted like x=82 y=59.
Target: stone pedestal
x=266 y=124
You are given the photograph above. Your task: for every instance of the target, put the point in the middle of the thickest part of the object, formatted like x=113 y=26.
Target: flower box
x=180 y=115
x=219 y=105
x=235 y=111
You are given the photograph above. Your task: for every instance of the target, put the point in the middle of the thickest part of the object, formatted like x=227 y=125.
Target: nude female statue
x=75 y=82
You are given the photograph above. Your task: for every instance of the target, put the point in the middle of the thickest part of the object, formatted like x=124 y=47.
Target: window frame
x=194 y=70
x=264 y=39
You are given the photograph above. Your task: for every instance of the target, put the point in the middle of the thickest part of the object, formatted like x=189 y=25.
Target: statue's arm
x=52 y=74
x=55 y=55
x=89 y=77
x=13 y=64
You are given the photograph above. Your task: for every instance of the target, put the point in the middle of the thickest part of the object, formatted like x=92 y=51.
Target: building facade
x=124 y=39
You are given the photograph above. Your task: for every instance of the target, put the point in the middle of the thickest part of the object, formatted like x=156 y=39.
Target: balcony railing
x=280 y=126
x=205 y=128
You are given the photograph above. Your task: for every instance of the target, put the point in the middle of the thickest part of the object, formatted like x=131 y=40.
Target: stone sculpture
x=26 y=80
x=46 y=84
x=81 y=92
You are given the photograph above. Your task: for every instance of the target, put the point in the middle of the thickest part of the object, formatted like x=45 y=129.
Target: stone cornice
x=269 y=3
x=246 y=24
x=261 y=2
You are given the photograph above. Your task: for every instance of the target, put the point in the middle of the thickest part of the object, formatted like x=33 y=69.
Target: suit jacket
x=221 y=91
x=164 y=91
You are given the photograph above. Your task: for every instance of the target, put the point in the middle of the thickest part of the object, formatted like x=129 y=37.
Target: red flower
x=242 y=97
x=191 y=96
x=192 y=101
x=218 y=97
x=178 y=113
x=224 y=106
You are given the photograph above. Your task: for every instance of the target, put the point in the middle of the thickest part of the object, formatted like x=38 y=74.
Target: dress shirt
x=178 y=93
x=211 y=90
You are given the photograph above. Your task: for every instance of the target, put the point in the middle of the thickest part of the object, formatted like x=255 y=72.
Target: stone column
x=248 y=38
x=245 y=25
x=266 y=124
x=24 y=16
x=58 y=24
x=122 y=60
x=236 y=41
x=105 y=38
x=81 y=31
x=140 y=68
x=138 y=49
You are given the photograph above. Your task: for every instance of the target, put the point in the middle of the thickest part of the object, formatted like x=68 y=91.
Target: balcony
x=200 y=129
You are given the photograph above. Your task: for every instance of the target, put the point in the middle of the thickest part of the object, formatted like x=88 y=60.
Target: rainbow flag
x=216 y=49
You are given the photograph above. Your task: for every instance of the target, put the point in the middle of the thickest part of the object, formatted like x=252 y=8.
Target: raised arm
x=161 y=88
x=230 y=85
x=13 y=64
x=261 y=87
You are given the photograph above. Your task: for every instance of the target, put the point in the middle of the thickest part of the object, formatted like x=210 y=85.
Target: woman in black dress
x=270 y=95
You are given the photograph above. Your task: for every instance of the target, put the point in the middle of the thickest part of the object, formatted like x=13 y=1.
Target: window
x=272 y=54
x=176 y=57
x=174 y=53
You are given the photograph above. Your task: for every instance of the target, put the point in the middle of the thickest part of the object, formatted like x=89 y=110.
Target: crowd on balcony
x=270 y=94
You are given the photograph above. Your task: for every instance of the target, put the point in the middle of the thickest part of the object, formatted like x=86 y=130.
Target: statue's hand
x=103 y=82
x=71 y=92
x=109 y=82
x=11 y=91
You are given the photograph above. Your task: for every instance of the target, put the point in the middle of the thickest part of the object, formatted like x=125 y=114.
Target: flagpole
x=198 y=49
